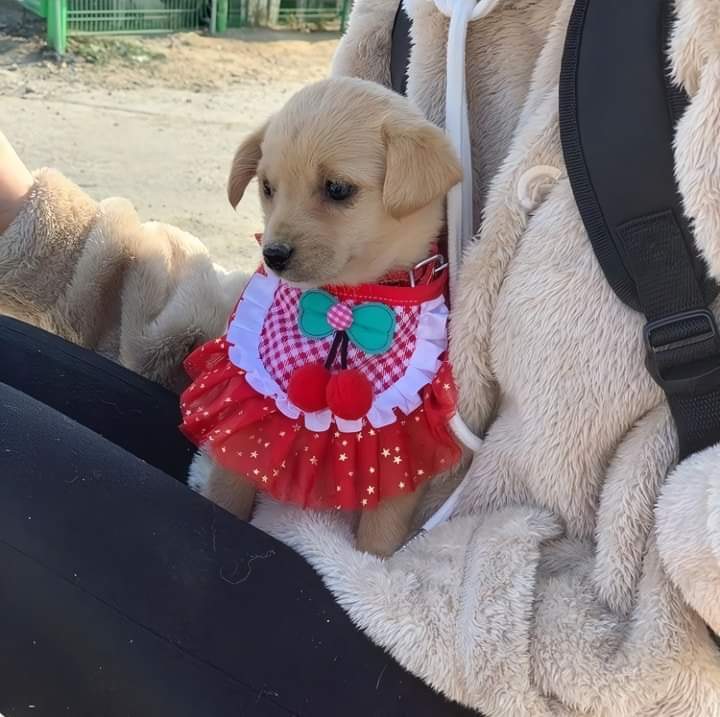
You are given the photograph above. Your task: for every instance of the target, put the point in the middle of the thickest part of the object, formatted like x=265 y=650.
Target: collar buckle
x=437 y=259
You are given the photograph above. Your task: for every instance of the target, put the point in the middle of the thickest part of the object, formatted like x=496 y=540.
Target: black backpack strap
x=617 y=120
x=715 y=637
x=400 y=51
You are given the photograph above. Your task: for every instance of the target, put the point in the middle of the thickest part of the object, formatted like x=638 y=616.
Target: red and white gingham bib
x=238 y=408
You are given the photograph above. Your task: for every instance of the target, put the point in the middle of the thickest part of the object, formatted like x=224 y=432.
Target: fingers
x=15 y=183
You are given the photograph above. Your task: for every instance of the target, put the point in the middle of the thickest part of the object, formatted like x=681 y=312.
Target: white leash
x=460 y=198
x=457 y=127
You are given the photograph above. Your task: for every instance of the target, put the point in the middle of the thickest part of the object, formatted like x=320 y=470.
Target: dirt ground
x=154 y=119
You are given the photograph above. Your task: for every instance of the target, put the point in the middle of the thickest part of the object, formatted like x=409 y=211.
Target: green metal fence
x=93 y=17
x=39 y=7
x=125 y=17
x=314 y=11
x=54 y=13
x=293 y=13
x=116 y=17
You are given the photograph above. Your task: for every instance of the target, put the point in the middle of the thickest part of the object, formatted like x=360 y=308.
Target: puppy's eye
x=339 y=191
x=267 y=188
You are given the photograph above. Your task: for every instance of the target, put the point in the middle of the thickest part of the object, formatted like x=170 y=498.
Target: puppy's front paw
x=231 y=492
x=199 y=471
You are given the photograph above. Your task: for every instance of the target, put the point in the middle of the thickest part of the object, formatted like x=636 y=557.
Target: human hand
x=15 y=182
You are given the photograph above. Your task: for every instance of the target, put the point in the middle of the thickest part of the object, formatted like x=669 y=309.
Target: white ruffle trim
x=244 y=339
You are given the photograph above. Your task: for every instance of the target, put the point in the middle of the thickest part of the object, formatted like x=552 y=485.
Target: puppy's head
x=352 y=181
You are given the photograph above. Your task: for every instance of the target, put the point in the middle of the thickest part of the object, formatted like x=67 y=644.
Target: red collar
x=397 y=288
x=426 y=281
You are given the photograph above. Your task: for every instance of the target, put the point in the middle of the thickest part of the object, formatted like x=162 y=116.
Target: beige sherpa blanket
x=582 y=567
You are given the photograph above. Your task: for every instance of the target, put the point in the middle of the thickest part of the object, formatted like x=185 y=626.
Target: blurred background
x=147 y=99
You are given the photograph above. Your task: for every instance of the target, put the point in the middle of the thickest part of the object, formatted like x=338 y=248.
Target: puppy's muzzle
x=277 y=256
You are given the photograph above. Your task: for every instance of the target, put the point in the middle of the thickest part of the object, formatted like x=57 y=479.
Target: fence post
x=57 y=25
x=221 y=22
x=213 y=17
x=344 y=15
x=273 y=13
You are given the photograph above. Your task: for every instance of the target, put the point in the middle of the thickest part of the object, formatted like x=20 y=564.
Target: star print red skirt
x=245 y=433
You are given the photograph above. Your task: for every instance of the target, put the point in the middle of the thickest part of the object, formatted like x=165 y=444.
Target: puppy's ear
x=420 y=165
x=244 y=165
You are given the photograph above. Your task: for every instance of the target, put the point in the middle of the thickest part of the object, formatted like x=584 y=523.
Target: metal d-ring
x=434 y=258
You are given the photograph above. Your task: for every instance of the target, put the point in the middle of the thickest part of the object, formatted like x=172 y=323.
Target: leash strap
x=460 y=220
x=399 y=63
x=618 y=112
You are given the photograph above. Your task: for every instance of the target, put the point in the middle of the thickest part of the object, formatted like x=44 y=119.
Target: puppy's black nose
x=277 y=256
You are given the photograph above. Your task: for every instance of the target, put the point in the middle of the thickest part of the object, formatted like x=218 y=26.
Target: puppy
x=352 y=182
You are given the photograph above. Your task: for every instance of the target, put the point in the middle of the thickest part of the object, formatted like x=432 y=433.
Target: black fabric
x=681 y=336
x=130 y=411
x=400 y=51
x=618 y=111
x=128 y=594
x=697 y=419
x=715 y=637
x=617 y=120
x=657 y=258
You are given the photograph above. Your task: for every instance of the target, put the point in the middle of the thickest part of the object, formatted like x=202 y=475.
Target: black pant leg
x=125 y=594
x=120 y=405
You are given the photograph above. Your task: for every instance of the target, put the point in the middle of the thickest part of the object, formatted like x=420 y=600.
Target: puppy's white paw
x=297 y=527
x=199 y=472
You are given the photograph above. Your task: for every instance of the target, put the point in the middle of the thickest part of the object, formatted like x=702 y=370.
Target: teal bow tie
x=372 y=328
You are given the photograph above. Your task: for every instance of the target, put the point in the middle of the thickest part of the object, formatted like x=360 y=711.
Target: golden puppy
x=352 y=181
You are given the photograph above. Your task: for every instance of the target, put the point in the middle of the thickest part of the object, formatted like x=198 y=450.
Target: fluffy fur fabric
x=144 y=294
x=565 y=585
x=582 y=566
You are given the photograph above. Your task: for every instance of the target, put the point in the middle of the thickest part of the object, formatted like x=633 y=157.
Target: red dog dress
x=332 y=398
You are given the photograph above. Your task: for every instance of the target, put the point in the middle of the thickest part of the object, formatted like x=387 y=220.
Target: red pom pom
x=307 y=385
x=349 y=394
